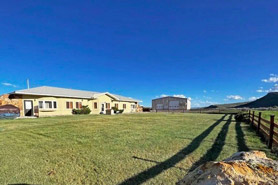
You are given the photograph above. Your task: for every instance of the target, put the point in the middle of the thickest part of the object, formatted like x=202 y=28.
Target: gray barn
x=171 y=103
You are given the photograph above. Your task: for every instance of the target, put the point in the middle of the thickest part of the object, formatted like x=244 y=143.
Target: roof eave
x=83 y=97
x=130 y=100
x=40 y=94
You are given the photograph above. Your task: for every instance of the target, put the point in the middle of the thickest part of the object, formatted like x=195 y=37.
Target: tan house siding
x=107 y=99
x=62 y=109
x=61 y=105
x=53 y=101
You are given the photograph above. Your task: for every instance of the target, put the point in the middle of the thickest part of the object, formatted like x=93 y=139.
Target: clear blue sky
x=211 y=51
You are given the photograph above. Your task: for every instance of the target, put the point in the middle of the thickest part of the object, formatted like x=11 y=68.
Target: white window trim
x=133 y=106
x=43 y=105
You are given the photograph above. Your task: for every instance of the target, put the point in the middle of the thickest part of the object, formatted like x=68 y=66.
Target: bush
x=240 y=117
x=83 y=110
x=76 y=111
x=115 y=109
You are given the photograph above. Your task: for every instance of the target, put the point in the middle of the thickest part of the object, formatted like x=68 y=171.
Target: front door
x=103 y=108
x=28 y=108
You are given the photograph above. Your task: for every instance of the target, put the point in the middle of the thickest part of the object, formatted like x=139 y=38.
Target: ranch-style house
x=54 y=101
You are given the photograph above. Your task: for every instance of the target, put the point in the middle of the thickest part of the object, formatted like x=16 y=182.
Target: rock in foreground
x=242 y=168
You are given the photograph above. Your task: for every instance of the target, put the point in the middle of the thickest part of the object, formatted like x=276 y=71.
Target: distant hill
x=269 y=100
x=226 y=106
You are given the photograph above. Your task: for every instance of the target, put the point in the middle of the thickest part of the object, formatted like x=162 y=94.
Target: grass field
x=123 y=149
x=266 y=115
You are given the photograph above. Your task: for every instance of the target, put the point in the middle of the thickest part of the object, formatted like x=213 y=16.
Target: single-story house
x=54 y=101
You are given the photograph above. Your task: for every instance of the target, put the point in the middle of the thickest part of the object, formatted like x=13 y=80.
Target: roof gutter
x=38 y=94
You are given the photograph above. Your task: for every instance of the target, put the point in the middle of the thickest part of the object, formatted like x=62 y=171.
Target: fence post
x=249 y=116
x=259 y=122
x=271 y=132
x=253 y=115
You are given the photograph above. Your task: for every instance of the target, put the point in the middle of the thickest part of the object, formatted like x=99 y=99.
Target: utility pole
x=28 y=86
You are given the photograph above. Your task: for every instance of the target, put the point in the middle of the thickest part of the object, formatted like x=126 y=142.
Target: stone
x=139 y=108
x=241 y=168
x=6 y=99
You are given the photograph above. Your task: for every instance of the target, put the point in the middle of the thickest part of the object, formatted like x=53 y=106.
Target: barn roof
x=165 y=97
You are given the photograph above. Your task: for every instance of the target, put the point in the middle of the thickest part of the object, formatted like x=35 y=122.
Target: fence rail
x=268 y=128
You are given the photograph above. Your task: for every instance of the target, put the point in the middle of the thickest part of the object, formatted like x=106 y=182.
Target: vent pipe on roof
x=28 y=86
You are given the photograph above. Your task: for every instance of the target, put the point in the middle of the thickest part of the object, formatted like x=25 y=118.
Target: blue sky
x=211 y=51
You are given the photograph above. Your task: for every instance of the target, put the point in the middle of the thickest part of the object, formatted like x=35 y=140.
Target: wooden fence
x=216 y=111
x=202 y=111
x=268 y=128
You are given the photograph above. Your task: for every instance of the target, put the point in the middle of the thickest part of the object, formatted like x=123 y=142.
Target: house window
x=69 y=105
x=124 y=106
x=55 y=105
x=108 y=105
x=95 y=105
x=116 y=105
x=41 y=104
x=78 y=105
x=48 y=105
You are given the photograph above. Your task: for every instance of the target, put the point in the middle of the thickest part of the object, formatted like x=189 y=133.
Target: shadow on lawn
x=153 y=161
x=215 y=150
x=241 y=144
x=172 y=161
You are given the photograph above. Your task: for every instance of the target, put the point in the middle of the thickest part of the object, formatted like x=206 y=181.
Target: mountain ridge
x=267 y=101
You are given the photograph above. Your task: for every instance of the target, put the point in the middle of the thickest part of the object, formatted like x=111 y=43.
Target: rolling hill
x=226 y=106
x=269 y=100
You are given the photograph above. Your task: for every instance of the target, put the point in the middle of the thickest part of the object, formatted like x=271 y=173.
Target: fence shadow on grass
x=241 y=144
x=156 y=162
x=172 y=161
x=215 y=150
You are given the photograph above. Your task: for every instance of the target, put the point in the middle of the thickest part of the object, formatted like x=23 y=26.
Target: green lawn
x=127 y=149
x=266 y=115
